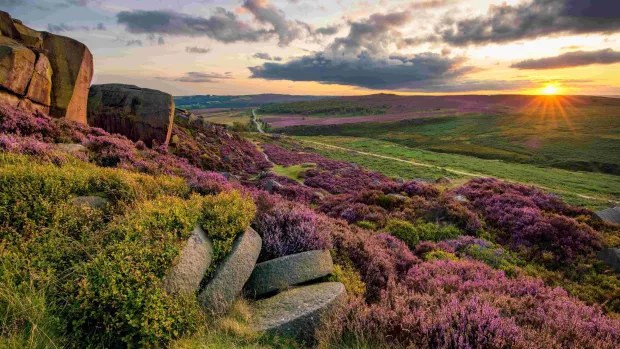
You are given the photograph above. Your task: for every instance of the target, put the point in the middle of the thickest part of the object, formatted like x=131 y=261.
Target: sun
x=550 y=90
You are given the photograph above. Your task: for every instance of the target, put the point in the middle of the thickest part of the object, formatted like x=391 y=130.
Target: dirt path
x=445 y=169
x=255 y=121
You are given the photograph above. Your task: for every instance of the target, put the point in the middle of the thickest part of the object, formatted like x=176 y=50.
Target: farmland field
x=224 y=116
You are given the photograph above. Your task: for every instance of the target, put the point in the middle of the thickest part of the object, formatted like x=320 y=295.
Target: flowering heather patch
x=466 y=304
x=30 y=146
x=286 y=157
x=288 y=228
x=532 y=222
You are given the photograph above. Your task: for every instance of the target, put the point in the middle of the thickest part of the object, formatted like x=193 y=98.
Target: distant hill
x=247 y=101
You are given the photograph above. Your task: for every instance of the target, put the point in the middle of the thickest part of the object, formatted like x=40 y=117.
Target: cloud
x=134 y=43
x=424 y=4
x=329 y=30
x=537 y=18
x=373 y=34
x=201 y=77
x=286 y=30
x=53 y=28
x=11 y=3
x=196 y=49
x=224 y=26
x=266 y=57
x=375 y=73
x=571 y=59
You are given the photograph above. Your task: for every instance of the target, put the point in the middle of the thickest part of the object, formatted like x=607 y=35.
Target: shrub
x=288 y=228
x=403 y=230
x=350 y=278
x=118 y=299
x=224 y=217
x=411 y=234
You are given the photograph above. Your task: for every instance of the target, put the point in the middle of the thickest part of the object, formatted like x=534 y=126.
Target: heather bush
x=224 y=217
x=288 y=228
x=490 y=254
x=532 y=222
x=448 y=303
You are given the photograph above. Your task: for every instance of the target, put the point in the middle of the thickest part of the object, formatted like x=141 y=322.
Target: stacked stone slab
x=232 y=274
x=43 y=71
x=297 y=310
x=140 y=114
x=281 y=273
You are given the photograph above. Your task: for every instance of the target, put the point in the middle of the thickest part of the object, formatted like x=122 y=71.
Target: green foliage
x=495 y=257
x=324 y=107
x=367 y=225
x=118 y=299
x=439 y=255
x=224 y=217
x=350 y=278
x=412 y=234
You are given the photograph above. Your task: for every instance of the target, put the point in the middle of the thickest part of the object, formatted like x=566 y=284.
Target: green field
x=586 y=138
x=226 y=117
x=592 y=190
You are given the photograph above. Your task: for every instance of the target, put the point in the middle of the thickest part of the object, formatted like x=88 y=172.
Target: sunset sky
x=342 y=47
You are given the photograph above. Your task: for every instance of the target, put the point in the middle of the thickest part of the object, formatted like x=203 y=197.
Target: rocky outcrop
x=610 y=215
x=43 y=71
x=231 y=274
x=281 y=273
x=72 y=66
x=611 y=257
x=272 y=186
x=297 y=312
x=137 y=113
x=185 y=276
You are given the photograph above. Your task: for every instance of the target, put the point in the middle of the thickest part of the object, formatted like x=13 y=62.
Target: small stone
x=443 y=180
x=272 y=186
x=398 y=196
x=94 y=202
x=231 y=274
x=281 y=273
x=71 y=148
x=611 y=257
x=185 y=276
x=399 y=180
x=298 y=311
x=610 y=215
x=460 y=198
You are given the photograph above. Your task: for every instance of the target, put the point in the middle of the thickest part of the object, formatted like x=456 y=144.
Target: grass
x=585 y=138
x=227 y=117
x=292 y=171
x=570 y=185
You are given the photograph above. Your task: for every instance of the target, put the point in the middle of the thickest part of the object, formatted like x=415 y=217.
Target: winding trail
x=255 y=121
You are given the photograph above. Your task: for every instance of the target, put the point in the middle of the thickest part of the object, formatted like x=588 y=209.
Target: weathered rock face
x=137 y=113
x=297 y=312
x=16 y=66
x=611 y=257
x=42 y=71
x=72 y=66
x=185 y=276
x=231 y=274
x=283 y=272
x=610 y=215
x=40 y=88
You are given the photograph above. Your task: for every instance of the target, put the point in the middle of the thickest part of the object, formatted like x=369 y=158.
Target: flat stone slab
x=610 y=215
x=230 y=276
x=611 y=257
x=185 y=276
x=297 y=312
x=281 y=273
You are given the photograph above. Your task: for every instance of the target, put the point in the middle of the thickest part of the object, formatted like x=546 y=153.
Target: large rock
x=22 y=103
x=137 y=113
x=610 y=215
x=231 y=274
x=7 y=27
x=297 y=312
x=29 y=36
x=281 y=273
x=40 y=87
x=611 y=257
x=185 y=276
x=72 y=66
x=16 y=66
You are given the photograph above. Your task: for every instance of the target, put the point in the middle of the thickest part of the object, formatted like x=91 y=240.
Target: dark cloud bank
x=571 y=59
